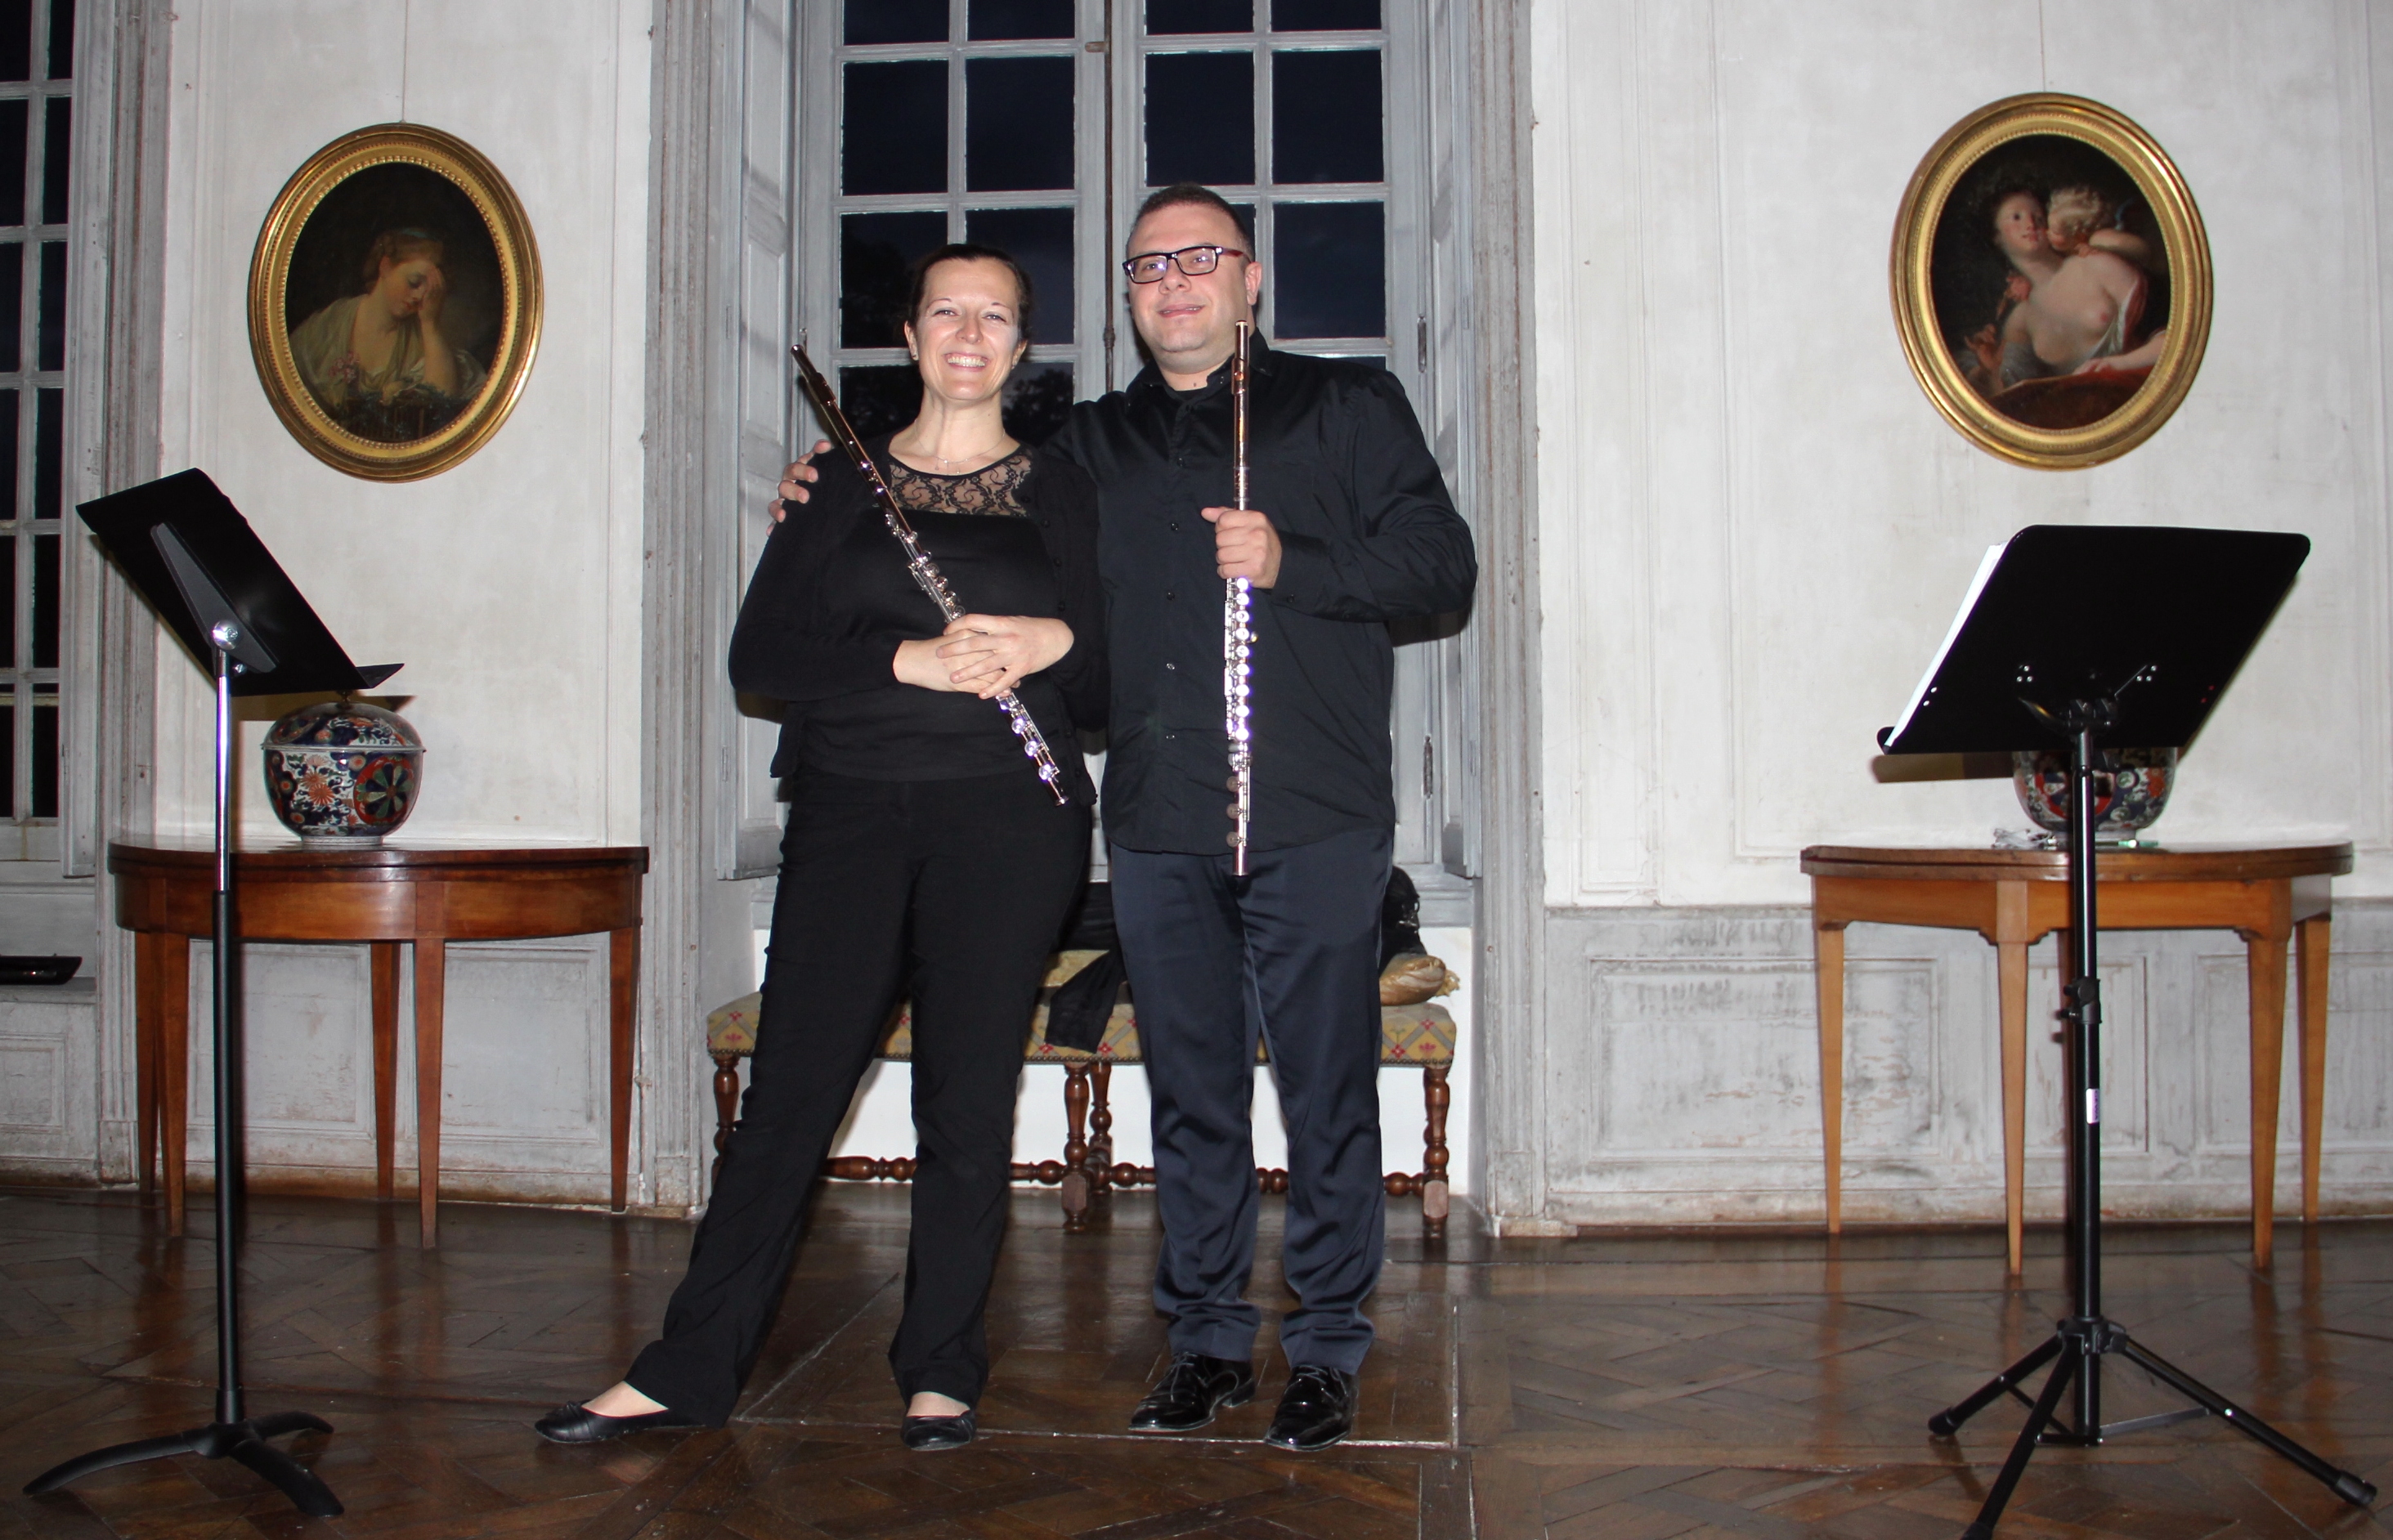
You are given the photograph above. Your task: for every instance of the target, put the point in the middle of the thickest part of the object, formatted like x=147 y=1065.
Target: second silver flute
x=1238 y=630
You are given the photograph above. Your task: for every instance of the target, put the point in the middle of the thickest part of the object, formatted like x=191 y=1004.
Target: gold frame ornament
x=506 y=287
x=1923 y=234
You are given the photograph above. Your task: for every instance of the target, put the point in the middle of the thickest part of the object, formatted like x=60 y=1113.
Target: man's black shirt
x=1368 y=533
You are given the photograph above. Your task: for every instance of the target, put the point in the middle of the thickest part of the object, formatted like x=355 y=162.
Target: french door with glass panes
x=1039 y=125
x=36 y=47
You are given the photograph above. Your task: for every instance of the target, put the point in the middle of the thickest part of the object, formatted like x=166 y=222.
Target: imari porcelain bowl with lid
x=342 y=772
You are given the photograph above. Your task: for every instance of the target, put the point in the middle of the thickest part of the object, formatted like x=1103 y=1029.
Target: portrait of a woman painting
x=2051 y=280
x=394 y=302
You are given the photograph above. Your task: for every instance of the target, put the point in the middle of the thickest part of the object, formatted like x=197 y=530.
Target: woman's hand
x=795 y=480
x=990 y=653
x=919 y=665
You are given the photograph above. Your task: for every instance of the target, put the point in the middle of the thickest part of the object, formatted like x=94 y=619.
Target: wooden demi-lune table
x=2014 y=898
x=383 y=896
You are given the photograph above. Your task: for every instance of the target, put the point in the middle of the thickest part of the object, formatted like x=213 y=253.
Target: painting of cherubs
x=2050 y=282
x=393 y=303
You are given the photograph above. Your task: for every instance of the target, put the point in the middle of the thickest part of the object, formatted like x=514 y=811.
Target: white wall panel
x=1754 y=525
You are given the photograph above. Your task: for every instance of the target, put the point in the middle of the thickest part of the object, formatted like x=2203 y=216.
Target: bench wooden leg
x=726 y=1107
x=1101 y=1127
x=1076 y=1185
x=1436 y=1200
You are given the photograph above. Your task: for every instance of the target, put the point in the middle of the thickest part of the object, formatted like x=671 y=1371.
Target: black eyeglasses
x=1195 y=261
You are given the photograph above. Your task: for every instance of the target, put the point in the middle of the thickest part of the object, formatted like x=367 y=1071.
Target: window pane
x=1200 y=15
x=1322 y=15
x=7 y=601
x=58 y=141
x=1036 y=400
x=896 y=20
x=62 y=19
x=994 y=21
x=1042 y=241
x=53 y=305
x=45 y=600
x=46 y=756
x=895 y=137
x=1332 y=271
x=15 y=40
x=880 y=397
x=1018 y=124
x=12 y=307
x=1326 y=117
x=49 y=456
x=7 y=751
x=1200 y=113
x=8 y=457
x=13 y=120
x=874 y=252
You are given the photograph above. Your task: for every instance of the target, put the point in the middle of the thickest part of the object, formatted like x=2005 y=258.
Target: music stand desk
x=423 y=894
x=2268 y=895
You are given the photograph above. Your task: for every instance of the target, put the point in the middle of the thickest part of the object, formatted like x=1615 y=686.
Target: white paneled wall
x=1753 y=529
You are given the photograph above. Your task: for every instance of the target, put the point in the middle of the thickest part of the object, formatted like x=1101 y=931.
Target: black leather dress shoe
x=1195 y=1388
x=580 y=1425
x=1316 y=1411
x=937 y=1432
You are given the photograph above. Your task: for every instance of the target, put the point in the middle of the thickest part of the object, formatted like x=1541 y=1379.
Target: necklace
x=976 y=457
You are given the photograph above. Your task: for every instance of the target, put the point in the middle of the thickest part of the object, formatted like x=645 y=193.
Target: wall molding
x=1509 y=1005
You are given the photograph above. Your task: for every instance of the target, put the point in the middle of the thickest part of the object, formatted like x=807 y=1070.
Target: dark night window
x=36 y=110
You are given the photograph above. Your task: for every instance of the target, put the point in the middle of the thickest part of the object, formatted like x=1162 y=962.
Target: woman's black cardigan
x=781 y=647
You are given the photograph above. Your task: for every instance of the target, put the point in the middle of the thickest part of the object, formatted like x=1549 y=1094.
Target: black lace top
x=831 y=599
x=995 y=489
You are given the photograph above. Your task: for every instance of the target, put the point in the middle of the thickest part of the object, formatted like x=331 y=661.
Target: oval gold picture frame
x=369 y=215
x=1972 y=155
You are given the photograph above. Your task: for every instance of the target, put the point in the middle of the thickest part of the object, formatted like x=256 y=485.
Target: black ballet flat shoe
x=926 y=1433
x=580 y=1425
x=1191 y=1392
x=1316 y=1411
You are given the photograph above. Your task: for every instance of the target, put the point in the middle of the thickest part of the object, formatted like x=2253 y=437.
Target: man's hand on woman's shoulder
x=795 y=478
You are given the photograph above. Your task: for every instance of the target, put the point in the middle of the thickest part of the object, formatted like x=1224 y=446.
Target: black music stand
x=213 y=584
x=2100 y=638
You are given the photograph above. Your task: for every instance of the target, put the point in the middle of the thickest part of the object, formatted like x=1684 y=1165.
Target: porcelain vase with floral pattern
x=342 y=772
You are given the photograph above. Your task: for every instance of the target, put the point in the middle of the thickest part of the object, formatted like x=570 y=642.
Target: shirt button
x=1175 y=527
x=1171 y=737
x=1169 y=594
x=1172 y=667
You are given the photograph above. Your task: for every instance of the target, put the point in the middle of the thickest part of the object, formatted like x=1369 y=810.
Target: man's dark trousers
x=1291 y=951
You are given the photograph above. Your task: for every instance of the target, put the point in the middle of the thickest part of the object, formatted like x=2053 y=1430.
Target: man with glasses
x=1351 y=527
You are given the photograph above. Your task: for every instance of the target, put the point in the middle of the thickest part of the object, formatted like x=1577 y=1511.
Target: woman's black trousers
x=952 y=891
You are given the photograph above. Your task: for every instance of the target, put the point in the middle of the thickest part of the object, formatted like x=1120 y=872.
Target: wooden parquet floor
x=1640 y=1387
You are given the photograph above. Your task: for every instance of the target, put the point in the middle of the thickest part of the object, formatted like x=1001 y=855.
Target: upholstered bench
x=1411 y=1036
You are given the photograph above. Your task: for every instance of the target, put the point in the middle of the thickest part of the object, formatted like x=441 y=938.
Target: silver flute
x=925 y=572
x=1238 y=630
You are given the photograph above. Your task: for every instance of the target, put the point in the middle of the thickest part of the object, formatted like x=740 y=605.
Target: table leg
x=173 y=1068
x=2310 y=939
x=431 y=980
x=622 y=1011
x=145 y=1057
x=2010 y=968
x=1828 y=950
x=2265 y=956
x=385 y=955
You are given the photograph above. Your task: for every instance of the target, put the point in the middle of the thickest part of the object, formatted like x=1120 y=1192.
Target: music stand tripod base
x=245 y=1441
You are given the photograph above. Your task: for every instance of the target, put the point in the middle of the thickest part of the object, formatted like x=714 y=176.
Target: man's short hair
x=1180 y=193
